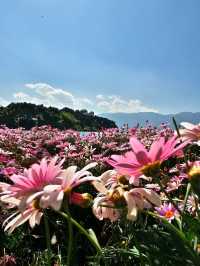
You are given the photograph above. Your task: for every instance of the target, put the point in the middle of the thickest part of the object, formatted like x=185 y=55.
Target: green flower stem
x=48 y=240
x=186 y=196
x=176 y=127
x=70 y=238
x=180 y=235
x=82 y=230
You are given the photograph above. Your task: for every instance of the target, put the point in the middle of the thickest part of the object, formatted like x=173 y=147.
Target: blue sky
x=106 y=56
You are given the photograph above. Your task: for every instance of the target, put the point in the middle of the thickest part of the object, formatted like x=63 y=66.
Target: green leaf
x=94 y=237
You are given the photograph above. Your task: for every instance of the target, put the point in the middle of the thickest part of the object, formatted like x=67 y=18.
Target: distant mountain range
x=154 y=118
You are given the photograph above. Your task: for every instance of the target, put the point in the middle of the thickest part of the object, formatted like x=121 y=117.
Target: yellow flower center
x=36 y=204
x=67 y=190
x=194 y=172
x=151 y=169
x=169 y=214
x=116 y=195
x=122 y=180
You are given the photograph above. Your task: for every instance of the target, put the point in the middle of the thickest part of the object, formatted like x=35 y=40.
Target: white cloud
x=100 y=97
x=52 y=96
x=115 y=104
x=42 y=93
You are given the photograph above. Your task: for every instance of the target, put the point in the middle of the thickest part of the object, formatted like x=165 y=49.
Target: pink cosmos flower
x=36 y=177
x=54 y=193
x=168 y=211
x=29 y=185
x=190 y=132
x=139 y=161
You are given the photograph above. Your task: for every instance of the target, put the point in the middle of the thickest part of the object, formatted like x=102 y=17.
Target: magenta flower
x=168 y=211
x=139 y=161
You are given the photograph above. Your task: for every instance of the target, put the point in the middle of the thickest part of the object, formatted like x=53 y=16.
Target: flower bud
x=81 y=199
x=194 y=177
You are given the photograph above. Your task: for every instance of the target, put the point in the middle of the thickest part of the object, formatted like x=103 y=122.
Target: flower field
x=128 y=196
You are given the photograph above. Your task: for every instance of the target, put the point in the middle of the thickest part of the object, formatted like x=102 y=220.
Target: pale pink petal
x=32 y=219
x=68 y=175
x=150 y=195
x=89 y=166
x=17 y=221
x=132 y=208
x=38 y=217
x=187 y=125
x=99 y=187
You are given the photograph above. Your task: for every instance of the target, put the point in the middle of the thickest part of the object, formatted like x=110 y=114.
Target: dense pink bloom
x=7 y=260
x=9 y=171
x=175 y=182
x=4 y=158
x=190 y=132
x=168 y=211
x=139 y=161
